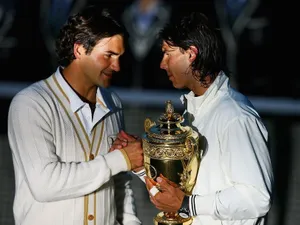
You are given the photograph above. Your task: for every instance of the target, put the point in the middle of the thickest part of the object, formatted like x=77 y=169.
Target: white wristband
x=153 y=191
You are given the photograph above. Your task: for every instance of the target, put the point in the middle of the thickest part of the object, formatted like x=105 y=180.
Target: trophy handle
x=148 y=124
x=190 y=172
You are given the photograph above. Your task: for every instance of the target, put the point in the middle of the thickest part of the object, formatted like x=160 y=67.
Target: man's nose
x=115 y=65
x=163 y=64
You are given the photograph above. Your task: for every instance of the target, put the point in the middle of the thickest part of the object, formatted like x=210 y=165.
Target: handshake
x=131 y=146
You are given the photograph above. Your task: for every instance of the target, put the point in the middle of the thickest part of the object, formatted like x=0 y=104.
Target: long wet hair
x=86 y=27
x=195 y=29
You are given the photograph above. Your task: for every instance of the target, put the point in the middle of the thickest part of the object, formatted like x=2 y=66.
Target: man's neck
x=86 y=94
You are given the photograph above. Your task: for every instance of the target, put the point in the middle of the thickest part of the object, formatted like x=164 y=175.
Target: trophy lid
x=168 y=128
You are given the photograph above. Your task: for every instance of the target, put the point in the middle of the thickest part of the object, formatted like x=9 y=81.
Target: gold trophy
x=171 y=149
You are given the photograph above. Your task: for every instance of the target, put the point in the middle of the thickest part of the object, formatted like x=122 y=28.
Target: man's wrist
x=184 y=210
x=126 y=158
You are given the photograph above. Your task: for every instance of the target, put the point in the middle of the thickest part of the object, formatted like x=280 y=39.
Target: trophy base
x=161 y=219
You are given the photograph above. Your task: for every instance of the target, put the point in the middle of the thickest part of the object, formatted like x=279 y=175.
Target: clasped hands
x=132 y=145
x=170 y=196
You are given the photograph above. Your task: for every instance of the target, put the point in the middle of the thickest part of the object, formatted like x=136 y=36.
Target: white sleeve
x=246 y=163
x=50 y=179
x=126 y=208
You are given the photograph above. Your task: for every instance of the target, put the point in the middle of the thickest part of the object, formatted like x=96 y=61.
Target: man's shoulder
x=32 y=89
x=234 y=105
x=33 y=92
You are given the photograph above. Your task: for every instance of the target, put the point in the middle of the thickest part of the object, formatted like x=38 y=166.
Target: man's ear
x=78 y=50
x=193 y=51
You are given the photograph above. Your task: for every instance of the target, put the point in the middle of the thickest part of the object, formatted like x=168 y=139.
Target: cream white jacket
x=64 y=174
x=234 y=181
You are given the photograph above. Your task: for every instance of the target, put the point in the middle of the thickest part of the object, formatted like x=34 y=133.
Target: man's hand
x=170 y=197
x=122 y=140
x=132 y=145
x=135 y=154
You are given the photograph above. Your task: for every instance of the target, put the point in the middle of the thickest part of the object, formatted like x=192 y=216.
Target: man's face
x=177 y=65
x=98 y=66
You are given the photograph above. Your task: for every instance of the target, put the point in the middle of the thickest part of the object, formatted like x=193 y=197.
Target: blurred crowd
x=27 y=36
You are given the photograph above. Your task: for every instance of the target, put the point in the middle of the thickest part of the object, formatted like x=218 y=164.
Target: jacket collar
x=194 y=103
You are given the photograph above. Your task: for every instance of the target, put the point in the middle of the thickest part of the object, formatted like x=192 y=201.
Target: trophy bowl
x=172 y=150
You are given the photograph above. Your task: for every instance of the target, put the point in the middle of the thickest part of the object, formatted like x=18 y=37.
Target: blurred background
x=27 y=32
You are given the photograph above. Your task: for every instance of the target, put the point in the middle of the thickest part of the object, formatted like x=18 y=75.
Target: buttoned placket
x=89 y=123
x=86 y=122
x=91 y=209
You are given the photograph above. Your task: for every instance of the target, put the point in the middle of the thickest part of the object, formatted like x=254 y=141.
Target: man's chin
x=177 y=86
x=105 y=84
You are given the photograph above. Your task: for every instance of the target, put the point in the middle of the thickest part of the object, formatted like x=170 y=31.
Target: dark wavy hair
x=86 y=27
x=195 y=29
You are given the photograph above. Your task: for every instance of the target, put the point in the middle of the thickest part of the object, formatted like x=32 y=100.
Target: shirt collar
x=194 y=102
x=75 y=102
